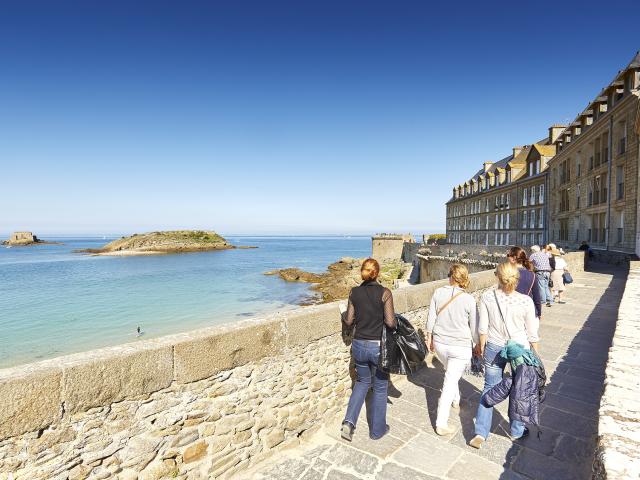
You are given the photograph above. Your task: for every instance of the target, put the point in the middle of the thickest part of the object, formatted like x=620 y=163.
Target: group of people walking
x=502 y=328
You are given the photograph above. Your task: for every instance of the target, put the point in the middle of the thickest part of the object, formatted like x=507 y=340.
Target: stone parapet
x=203 y=404
x=618 y=453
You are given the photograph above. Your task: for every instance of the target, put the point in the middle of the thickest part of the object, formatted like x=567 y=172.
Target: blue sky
x=276 y=117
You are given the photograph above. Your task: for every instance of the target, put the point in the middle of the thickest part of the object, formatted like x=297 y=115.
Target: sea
x=54 y=301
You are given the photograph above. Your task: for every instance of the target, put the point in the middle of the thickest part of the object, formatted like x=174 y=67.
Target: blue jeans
x=366 y=355
x=493 y=370
x=543 y=287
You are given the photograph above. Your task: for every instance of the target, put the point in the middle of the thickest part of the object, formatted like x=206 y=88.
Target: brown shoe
x=443 y=431
x=476 y=442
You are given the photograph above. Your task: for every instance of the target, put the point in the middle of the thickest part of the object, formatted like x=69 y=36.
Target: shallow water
x=54 y=301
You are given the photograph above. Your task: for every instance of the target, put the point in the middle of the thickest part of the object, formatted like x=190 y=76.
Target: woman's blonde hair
x=508 y=276
x=370 y=269
x=459 y=274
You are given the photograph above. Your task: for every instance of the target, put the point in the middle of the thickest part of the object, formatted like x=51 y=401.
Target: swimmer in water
x=139 y=331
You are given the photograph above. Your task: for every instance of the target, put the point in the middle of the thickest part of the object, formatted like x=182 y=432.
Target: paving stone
x=312 y=474
x=382 y=448
x=398 y=472
x=428 y=454
x=496 y=449
x=567 y=423
x=290 y=469
x=573 y=450
x=541 y=467
x=352 y=459
x=469 y=466
x=584 y=394
x=545 y=443
x=571 y=405
x=340 y=475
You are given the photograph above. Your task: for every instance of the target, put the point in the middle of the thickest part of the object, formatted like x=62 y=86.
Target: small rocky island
x=160 y=243
x=23 y=239
x=341 y=277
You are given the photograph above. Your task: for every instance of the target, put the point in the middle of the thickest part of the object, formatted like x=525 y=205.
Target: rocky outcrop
x=154 y=243
x=21 y=239
x=341 y=277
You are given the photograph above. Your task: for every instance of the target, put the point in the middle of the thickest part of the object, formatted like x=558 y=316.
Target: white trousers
x=455 y=359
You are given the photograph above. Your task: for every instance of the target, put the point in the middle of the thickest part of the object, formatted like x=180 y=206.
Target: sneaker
x=442 y=431
x=562 y=302
x=548 y=304
x=346 y=431
x=524 y=435
x=476 y=442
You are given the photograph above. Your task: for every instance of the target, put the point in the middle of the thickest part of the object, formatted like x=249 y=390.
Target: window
x=496 y=222
x=622 y=141
x=524 y=197
x=540 y=239
x=605 y=147
x=620 y=230
x=506 y=239
x=524 y=219
x=531 y=169
x=486 y=209
x=619 y=183
x=507 y=199
x=532 y=219
x=524 y=239
x=533 y=196
x=564 y=200
x=564 y=229
x=541 y=218
x=578 y=167
x=541 y=194
x=487 y=223
x=501 y=200
x=507 y=221
x=496 y=202
x=578 y=196
x=532 y=238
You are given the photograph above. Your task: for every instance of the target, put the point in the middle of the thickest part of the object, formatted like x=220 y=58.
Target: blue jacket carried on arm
x=524 y=388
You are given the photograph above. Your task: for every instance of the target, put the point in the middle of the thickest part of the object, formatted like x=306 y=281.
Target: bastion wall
x=202 y=404
x=617 y=455
x=435 y=267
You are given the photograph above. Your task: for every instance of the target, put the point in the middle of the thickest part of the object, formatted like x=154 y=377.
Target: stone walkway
x=574 y=345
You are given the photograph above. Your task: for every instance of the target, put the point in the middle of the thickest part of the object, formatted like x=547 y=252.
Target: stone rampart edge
x=43 y=392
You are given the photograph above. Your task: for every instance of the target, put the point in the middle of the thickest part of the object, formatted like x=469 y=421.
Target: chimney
x=516 y=151
x=487 y=165
x=555 y=131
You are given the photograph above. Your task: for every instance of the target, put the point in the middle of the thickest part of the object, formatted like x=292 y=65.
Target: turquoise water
x=54 y=301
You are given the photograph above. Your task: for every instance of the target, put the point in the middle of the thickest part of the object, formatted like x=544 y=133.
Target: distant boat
x=8 y=246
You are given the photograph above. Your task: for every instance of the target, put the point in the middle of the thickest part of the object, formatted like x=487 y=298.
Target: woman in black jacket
x=370 y=308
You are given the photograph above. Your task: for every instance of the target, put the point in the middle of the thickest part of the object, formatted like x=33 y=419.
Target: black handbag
x=402 y=349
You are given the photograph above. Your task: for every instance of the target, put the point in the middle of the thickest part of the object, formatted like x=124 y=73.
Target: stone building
x=22 y=237
x=504 y=202
x=594 y=175
x=385 y=246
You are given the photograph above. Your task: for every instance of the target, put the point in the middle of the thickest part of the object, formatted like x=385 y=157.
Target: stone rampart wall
x=202 y=404
x=434 y=267
x=618 y=454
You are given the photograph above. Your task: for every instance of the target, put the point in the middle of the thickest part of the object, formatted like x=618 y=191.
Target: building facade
x=594 y=174
x=504 y=203
x=580 y=184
